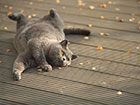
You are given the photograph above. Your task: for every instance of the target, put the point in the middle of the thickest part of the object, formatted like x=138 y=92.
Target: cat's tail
x=79 y=31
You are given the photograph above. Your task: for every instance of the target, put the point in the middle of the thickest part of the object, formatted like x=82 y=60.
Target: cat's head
x=54 y=18
x=60 y=54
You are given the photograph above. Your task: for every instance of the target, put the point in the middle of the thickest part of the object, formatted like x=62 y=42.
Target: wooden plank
x=62 y=89
x=105 y=66
x=110 y=8
x=86 y=21
x=75 y=11
x=30 y=96
x=85 y=73
x=124 y=3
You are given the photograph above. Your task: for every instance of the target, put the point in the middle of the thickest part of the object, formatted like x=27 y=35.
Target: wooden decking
x=110 y=76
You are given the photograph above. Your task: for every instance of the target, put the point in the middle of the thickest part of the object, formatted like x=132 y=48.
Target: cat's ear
x=64 y=43
x=74 y=57
x=52 y=12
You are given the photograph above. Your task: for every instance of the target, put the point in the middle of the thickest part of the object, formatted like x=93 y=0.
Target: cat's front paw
x=47 y=67
x=17 y=76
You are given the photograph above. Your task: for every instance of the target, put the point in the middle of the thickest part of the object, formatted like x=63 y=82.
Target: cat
x=41 y=42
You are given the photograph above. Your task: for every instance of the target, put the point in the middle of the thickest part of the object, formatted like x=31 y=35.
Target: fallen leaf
x=99 y=48
x=117 y=18
x=80 y=3
x=89 y=62
x=5 y=6
x=57 y=1
x=117 y=9
x=132 y=14
x=5 y=28
x=128 y=51
x=29 y=16
x=22 y=11
x=91 y=7
x=106 y=34
x=119 y=93
x=93 y=68
x=30 y=3
x=103 y=5
x=8 y=50
x=81 y=63
x=121 y=20
x=10 y=7
x=90 y=25
x=59 y=68
x=137 y=48
x=9 y=13
x=101 y=33
x=109 y=2
x=102 y=17
x=34 y=15
x=39 y=70
x=0 y=62
x=86 y=37
x=131 y=19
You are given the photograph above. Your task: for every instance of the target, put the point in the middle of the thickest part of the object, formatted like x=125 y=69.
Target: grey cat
x=41 y=42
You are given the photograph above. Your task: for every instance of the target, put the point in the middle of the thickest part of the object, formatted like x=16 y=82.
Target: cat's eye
x=61 y=52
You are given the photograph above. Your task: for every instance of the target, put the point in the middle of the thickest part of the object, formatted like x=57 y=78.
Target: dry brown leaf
x=91 y=7
x=128 y=51
x=86 y=37
x=57 y=1
x=103 y=5
x=30 y=3
x=59 y=68
x=109 y=2
x=102 y=17
x=39 y=70
x=137 y=48
x=93 y=68
x=101 y=33
x=9 y=13
x=34 y=15
x=99 y=48
x=131 y=19
x=81 y=63
x=121 y=20
x=22 y=11
x=132 y=14
x=117 y=18
x=8 y=50
x=10 y=7
x=90 y=25
x=29 y=16
x=5 y=6
x=119 y=93
x=89 y=62
x=106 y=34
x=5 y=28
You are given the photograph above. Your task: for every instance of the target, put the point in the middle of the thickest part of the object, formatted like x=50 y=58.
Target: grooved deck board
x=103 y=73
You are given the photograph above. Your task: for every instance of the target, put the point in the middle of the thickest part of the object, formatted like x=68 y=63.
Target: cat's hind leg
x=17 y=17
x=20 y=18
x=19 y=66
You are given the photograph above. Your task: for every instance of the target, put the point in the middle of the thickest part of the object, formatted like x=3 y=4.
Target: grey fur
x=40 y=42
